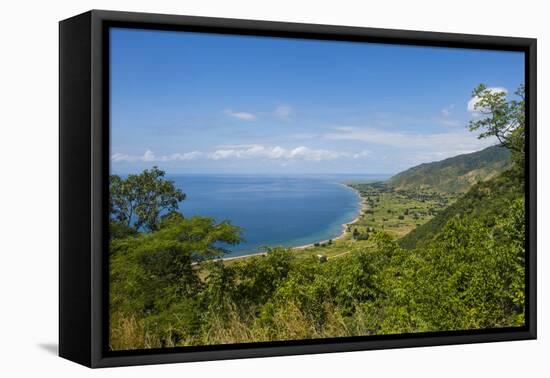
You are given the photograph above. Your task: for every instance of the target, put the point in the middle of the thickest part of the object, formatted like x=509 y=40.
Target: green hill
x=483 y=202
x=456 y=174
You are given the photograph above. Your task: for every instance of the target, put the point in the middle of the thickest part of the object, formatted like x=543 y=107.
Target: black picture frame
x=83 y=181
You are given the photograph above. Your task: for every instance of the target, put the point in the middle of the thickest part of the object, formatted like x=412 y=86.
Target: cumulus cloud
x=474 y=100
x=253 y=151
x=246 y=116
x=277 y=152
x=149 y=156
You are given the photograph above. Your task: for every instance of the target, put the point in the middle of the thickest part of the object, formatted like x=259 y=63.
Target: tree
x=502 y=119
x=139 y=201
x=155 y=276
x=163 y=261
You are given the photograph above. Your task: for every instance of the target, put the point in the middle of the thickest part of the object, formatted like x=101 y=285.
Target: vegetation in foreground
x=463 y=268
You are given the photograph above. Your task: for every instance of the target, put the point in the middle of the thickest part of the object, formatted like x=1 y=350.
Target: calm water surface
x=287 y=211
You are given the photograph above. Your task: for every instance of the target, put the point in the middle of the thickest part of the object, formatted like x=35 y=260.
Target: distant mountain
x=456 y=174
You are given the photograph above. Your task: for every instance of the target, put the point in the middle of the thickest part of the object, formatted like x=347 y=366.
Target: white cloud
x=474 y=100
x=241 y=115
x=283 y=111
x=277 y=152
x=252 y=151
x=119 y=157
x=361 y=154
x=149 y=156
x=193 y=155
x=310 y=154
x=444 y=144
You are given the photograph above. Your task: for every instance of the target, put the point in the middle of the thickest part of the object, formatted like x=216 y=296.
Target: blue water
x=273 y=211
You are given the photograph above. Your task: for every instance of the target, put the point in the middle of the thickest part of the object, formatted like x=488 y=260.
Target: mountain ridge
x=456 y=174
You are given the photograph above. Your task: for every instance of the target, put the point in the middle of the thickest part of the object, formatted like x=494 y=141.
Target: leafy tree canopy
x=139 y=201
x=156 y=268
x=501 y=118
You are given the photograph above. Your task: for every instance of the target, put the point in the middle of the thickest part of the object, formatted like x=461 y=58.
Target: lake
x=274 y=210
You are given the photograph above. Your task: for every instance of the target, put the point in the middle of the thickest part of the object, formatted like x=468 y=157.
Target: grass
x=397 y=212
x=288 y=323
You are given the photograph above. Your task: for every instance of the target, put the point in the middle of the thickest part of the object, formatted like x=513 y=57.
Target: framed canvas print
x=234 y=188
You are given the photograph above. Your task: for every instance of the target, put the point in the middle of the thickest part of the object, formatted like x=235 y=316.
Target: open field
x=396 y=212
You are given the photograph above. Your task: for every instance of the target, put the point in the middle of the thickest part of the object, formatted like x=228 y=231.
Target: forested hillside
x=483 y=201
x=456 y=174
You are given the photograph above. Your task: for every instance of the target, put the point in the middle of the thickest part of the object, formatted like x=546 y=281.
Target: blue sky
x=204 y=103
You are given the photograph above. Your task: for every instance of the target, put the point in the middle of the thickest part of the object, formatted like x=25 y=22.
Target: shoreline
x=343 y=233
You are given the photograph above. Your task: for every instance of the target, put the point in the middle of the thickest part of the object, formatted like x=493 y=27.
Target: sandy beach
x=344 y=232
